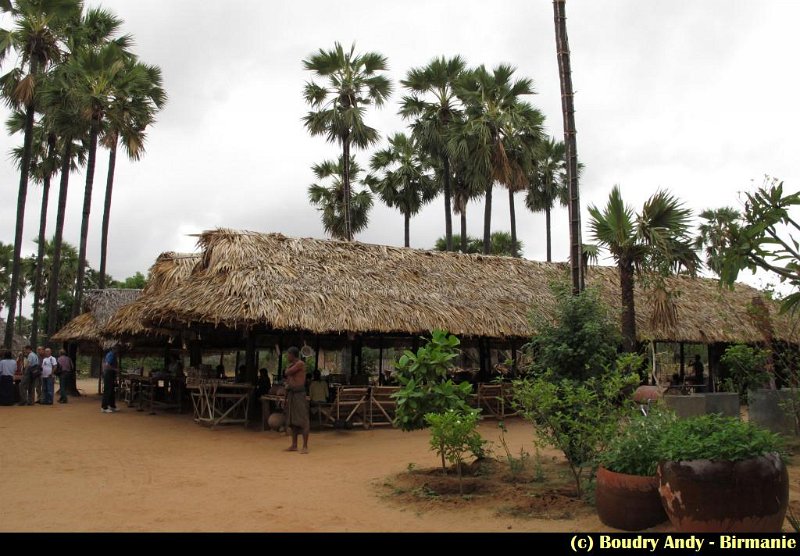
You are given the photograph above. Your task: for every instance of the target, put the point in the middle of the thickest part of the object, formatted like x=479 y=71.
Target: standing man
x=48 y=366
x=296 y=407
x=38 y=377
x=26 y=385
x=65 y=366
x=110 y=368
x=698 y=371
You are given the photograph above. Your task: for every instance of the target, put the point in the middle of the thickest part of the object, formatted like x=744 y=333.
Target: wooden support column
x=316 y=354
x=514 y=359
x=280 y=360
x=482 y=358
x=195 y=353
x=682 y=373
x=250 y=358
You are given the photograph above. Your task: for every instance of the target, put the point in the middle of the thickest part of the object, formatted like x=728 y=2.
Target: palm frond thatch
x=268 y=281
x=99 y=307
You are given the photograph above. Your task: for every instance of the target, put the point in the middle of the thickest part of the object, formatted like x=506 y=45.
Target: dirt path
x=77 y=469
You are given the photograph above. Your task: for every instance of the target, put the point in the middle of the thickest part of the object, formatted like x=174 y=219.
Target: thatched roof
x=18 y=342
x=99 y=308
x=268 y=281
x=169 y=270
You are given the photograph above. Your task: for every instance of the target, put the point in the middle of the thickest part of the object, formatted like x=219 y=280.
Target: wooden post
x=514 y=359
x=195 y=353
x=249 y=358
x=682 y=373
x=316 y=354
x=236 y=366
x=280 y=360
x=482 y=359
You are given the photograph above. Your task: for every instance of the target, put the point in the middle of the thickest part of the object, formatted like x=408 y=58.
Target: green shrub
x=576 y=417
x=747 y=368
x=424 y=386
x=582 y=340
x=636 y=449
x=453 y=435
x=717 y=438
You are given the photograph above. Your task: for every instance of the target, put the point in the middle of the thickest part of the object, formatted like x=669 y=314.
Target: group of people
x=38 y=370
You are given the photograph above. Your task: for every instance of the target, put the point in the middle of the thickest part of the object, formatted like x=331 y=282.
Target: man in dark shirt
x=110 y=368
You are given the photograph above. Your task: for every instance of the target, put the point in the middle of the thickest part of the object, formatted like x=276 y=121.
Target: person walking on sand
x=26 y=385
x=109 y=403
x=65 y=368
x=48 y=366
x=296 y=406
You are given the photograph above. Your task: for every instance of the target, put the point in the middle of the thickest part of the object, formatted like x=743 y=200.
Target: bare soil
x=72 y=468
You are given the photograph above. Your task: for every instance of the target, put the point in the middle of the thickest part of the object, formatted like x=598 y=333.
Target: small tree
x=453 y=435
x=581 y=342
x=747 y=367
x=577 y=417
x=424 y=385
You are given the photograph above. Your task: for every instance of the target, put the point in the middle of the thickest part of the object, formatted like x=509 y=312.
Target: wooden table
x=220 y=403
x=141 y=390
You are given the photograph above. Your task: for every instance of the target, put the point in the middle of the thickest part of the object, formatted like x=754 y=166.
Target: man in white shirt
x=48 y=365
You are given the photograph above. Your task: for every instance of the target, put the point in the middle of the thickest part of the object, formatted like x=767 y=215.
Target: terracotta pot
x=628 y=502
x=724 y=496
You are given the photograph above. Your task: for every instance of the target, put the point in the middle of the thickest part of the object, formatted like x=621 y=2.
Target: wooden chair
x=494 y=400
x=382 y=405
x=350 y=405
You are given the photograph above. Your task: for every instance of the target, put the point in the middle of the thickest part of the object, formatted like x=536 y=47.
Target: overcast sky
x=696 y=97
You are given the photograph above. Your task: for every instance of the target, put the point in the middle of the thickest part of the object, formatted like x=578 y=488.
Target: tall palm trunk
x=464 y=229
x=112 y=163
x=568 y=113
x=628 y=310
x=407 y=222
x=87 y=208
x=487 y=221
x=52 y=297
x=448 y=211
x=37 y=282
x=548 y=231
x=22 y=196
x=348 y=228
x=513 y=222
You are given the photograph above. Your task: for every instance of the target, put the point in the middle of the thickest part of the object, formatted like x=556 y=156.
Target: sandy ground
x=76 y=469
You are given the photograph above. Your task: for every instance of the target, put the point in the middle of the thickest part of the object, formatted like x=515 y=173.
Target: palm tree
x=94 y=76
x=655 y=240
x=714 y=235
x=548 y=184
x=44 y=164
x=568 y=116
x=464 y=191
x=96 y=28
x=493 y=135
x=139 y=95
x=330 y=199
x=434 y=107
x=337 y=110
x=35 y=38
x=501 y=245
x=404 y=181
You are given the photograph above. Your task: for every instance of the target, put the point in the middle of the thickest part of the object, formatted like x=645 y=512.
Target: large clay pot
x=723 y=496
x=628 y=502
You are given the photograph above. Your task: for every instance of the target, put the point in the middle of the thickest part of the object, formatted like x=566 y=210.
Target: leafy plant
x=716 y=438
x=577 y=417
x=635 y=450
x=581 y=342
x=515 y=464
x=424 y=386
x=453 y=435
x=747 y=367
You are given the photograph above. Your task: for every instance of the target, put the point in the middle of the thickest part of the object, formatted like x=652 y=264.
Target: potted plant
x=722 y=474
x=626 y=491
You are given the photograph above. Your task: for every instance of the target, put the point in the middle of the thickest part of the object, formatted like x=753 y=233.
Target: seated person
x=242 y=374
x=318 y=389
x=263 y=384
x=175 y=368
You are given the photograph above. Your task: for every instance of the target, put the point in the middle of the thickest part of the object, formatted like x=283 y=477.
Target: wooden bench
x=350 y=405
x=382 y=405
